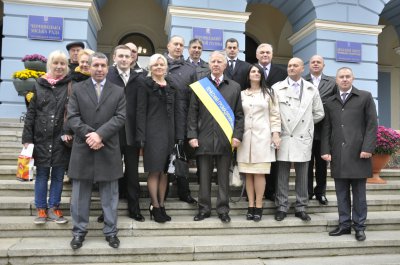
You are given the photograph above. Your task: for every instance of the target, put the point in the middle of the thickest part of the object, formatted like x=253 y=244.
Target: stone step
x=23 y=226
x=10 y=147
x=8 y=170
x=24 y=206
x=34 y=250
x=21 y=188
x=10 y=136
x=11 y=123
x=381 y=259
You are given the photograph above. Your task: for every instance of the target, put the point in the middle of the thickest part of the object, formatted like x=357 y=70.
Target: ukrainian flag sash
x=216 y=105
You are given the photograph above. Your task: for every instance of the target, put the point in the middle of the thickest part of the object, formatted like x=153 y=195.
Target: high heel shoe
x=257 y=214
x=166 y=216
x=250 y=213
x=157 y=214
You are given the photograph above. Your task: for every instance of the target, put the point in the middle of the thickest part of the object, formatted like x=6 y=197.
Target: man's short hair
x=121 y=47
x=98 y=55
x=231 y=40
x=194 y=41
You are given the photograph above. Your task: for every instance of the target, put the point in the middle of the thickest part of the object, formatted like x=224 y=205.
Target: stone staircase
x=183 y=241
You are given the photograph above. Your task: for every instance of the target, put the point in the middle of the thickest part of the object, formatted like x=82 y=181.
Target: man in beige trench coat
x=300 y=106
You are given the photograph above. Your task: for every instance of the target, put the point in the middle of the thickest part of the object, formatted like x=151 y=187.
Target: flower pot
x=23 y=86
x=379 y=161
x=35 y=65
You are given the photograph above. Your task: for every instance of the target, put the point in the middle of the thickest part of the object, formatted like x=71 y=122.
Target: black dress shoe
x=303 y=216
x=100 y=219
x=77 y=241
x=113 y=241
x=188 y=199
x=279 y=215
x=360 y=235
x=201 y=216
x=137 y=216
x=338 y=231
x=322 y=200
x=224 y=217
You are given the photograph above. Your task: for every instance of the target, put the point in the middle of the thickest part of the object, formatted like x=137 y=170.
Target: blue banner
x=45 y=28
x=212 y=38
x=348 y=51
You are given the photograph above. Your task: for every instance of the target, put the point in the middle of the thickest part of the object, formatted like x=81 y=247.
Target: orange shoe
x=41 y=217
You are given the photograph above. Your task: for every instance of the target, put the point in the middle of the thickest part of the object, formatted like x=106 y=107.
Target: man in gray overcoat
x=96 y=113
x=348 y=141
x=300 y=106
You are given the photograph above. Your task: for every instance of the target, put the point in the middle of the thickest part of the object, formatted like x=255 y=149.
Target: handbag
x=25 y=164
x=178 y=164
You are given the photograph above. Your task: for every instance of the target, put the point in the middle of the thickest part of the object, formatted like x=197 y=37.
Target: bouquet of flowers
x=34 y=57
x=387 y=141
x=27 y=73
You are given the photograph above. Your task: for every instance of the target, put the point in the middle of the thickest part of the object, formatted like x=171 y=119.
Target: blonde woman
x=262 y=126
x=156 y=131
x=81 y=72
x=44 y=127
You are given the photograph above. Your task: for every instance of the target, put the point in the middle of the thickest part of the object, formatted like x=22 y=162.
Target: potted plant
x=387 y=144
x=25 y=79
x=35 y=62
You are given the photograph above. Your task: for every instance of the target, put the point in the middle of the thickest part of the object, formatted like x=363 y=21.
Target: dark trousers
x=129 y=186
x=206 y=166
x=359 y=211
x=320 y=171
x=271 y=181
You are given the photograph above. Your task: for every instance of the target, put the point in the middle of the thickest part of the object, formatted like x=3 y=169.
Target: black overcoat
x=106 y=118
x=202 y=126
x=157 y=114
x=44 y=123
x=349 y=129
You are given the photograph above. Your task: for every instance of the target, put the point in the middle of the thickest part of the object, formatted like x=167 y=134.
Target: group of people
x=273 y=118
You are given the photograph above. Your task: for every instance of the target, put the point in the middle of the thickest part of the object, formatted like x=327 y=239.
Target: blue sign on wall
x=348 y=51
x=212 y=38
x=45 y=28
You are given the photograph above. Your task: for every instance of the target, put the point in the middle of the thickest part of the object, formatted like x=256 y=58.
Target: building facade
x=294 y=28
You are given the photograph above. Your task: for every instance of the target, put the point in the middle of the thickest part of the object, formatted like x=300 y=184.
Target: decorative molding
x=203 y=13
x=344 y=27
x=80 y=4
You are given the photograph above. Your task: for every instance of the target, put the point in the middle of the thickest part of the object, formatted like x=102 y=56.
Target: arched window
x=144 y=44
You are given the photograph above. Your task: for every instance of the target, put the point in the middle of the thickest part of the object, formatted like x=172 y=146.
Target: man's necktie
x=98 y=91
x=231 y=62
x=296 y=88
x=265 y=72
x=344 y=96
x=124 y=77
x=216 y=80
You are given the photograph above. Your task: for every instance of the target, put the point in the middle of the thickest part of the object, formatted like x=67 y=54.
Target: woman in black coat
x=44 y=127
x=156 y=131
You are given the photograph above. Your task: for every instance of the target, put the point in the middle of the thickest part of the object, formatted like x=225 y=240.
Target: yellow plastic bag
x=25 y=164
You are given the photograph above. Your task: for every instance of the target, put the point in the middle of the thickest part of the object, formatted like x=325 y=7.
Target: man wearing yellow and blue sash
x=215 y=127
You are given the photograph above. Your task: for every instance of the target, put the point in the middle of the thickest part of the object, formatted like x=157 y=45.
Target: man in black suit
x=236 y=69
x=273 y=74
x=134 y=54
x=327 y=87
x=348 y=139
x=181 y=74
x=195 y=50
x=124 y=76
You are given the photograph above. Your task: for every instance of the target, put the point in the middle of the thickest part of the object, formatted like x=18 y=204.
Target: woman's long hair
x=263 y=84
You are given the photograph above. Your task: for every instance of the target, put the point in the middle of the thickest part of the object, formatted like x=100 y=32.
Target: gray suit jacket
x=106 y=117
x=327 y=88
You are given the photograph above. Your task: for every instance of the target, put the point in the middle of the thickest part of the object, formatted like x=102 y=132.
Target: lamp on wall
x=397 y=50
